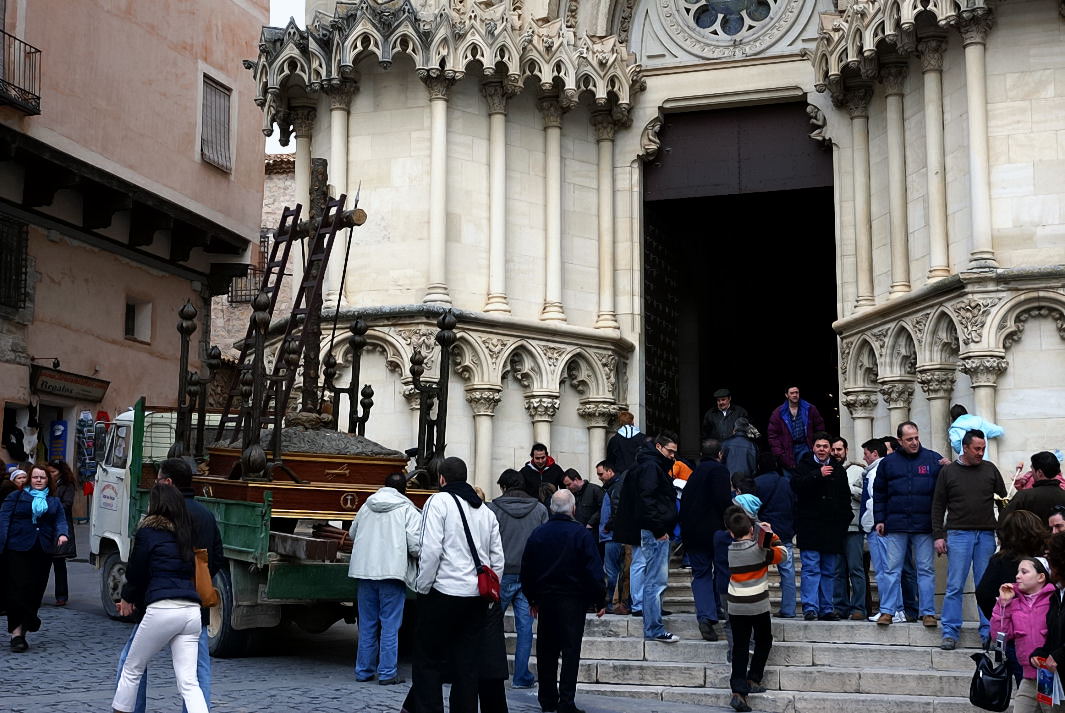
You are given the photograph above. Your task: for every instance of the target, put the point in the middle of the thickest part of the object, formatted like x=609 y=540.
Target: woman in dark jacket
x=31 y=525
x=66 y=486
x=160 y=582
x=1054 y=648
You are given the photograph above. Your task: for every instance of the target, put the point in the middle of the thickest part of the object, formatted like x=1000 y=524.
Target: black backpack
x=992 y=683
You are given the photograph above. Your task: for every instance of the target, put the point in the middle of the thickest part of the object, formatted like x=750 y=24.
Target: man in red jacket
x=792 y=428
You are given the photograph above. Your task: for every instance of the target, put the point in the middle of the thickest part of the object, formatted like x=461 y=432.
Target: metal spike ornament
x=432 y=429
x=253 y=457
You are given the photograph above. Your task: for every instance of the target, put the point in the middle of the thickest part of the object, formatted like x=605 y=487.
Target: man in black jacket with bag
x=561 y=575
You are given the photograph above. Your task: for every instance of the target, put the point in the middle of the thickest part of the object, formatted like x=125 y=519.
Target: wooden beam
x=99 y=205
x=42 y=180
x=144 y=223
x=183 y=238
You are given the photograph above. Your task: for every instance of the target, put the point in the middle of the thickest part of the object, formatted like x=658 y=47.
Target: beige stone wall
x=121 y=87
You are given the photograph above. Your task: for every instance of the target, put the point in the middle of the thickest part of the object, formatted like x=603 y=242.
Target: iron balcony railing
x=20 y=75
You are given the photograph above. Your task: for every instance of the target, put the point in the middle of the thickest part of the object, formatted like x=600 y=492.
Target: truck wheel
x=223 y=641
x=112 y=578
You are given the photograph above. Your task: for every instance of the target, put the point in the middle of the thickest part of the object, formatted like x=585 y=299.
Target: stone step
x=790 y=701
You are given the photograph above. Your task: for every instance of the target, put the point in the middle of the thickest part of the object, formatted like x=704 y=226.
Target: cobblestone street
x=72 y=659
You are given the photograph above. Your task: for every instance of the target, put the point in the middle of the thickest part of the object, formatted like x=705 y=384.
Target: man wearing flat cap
x=720 y=422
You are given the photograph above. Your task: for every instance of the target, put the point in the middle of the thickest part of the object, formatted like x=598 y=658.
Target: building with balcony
x=130 y=183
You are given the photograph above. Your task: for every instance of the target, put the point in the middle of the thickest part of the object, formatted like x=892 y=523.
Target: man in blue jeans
x=613 y=552
x=518 y=514
x=656 y=513
x=178 y=472
x=965 y=495
x=902 y=509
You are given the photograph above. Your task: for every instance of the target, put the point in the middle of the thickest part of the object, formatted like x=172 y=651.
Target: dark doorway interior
x=740 y=283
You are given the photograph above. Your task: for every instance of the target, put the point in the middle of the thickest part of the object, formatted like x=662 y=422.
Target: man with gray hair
x=561 y=575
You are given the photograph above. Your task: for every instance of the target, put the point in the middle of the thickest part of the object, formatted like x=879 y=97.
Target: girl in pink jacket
x=1021 y=613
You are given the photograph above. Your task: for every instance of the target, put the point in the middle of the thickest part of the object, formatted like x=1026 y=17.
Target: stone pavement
x=71 y=664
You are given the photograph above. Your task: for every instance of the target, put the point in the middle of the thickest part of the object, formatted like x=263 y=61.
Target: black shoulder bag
x=992 y=683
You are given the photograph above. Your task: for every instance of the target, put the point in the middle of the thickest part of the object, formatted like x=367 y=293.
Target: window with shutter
x=14 y=264
x=214 y=130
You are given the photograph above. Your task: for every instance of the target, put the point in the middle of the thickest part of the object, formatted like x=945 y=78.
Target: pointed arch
x=469 y=359
x=900 y=352
x=940 y=344
x=1009 y=320
x=526 y=364
x=584 y=373
x=864 y=368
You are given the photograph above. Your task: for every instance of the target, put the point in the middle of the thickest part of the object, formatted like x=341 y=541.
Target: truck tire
x=223 y=641
x=112 y=578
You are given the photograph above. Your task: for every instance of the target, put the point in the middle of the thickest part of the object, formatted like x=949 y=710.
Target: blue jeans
x=898 y=545
x=655 y=576
x=636 y=569
x=203 y=672
x=510 y=593
x=786 y=569
x=852 y=568
x=965 y=549
x=380 y=615
x=703 y=586
x=878 y=561
x=613 y=561
x=722 y=540
x=818 y=581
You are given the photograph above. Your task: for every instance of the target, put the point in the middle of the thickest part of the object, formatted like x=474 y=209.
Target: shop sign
x=64 y=383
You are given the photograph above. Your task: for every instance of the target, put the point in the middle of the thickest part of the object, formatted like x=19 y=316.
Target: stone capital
x=413 y=396
x=860 y=403
x=552 y=109
x=497 y=95
x=983 y=370
x=893 y=77
x=605 y=125
x=937 y=383
x=897 y=394
x=856 y=100
x=931 y=51
x=542 y=407
x=483 y=400
x=597 y=414
x=437 y=82
x=975 y=26
x=341 y=94
x=303 y=121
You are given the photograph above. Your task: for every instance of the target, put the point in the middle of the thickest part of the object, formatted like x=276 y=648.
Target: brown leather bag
x=204 y=585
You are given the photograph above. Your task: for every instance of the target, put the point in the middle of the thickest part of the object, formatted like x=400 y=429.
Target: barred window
x=14 y=263
x=214 y=129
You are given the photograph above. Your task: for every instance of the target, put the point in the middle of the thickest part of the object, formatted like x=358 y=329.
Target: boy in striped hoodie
x=748 y=600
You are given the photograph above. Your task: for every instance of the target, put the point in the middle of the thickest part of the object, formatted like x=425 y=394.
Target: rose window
x=726 y=19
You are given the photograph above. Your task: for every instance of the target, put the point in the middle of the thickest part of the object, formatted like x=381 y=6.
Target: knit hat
x=750 y=504
x=16 y=473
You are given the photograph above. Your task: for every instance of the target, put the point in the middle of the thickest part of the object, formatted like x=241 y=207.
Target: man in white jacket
x=451 y=613
x=386 y=539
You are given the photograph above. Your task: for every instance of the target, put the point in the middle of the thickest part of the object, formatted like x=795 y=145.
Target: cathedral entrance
x=739 y=267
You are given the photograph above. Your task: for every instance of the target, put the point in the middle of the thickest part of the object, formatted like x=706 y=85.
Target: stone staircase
x=814 y=667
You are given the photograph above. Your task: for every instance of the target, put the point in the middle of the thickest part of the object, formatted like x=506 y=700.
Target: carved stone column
x=542 y=407
x=303 y=123
x=496 y=94
x=894 y=78
x=937 y=382
x=552 y=109
x=604 y=133
x=598 y=414
x=861 y=403
x=897 y=394
x=974 y=29
x=438 y=83
x=983 y=370
x=857 y=100
x=340 y=98
x=938 y=245
x=483 y=399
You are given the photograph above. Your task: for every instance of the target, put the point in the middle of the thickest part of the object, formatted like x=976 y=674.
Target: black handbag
x=992 y=684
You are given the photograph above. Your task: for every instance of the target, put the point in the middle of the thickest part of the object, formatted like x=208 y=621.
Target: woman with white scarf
x=32 y=523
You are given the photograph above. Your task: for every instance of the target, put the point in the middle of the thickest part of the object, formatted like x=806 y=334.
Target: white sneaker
x=667 y=638
x=899 y=618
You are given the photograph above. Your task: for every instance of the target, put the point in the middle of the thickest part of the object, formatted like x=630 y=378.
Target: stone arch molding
x=505 y=43
x=899 y=358
x=1009 y=321
x=863 y=364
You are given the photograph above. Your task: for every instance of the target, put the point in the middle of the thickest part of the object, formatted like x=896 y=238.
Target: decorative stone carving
x=984 y=370
x=919 y=324
x=856 y=100
x=541 y=408
x=861 y=404
x=341 y=94
x=818 y=121
x=437 y=82
x=551 y=108
x=494 y=347
x=572 y=6
x=609 y=362
x=975 y=25
x=604 y=124
x=972 y=313
x=845 y=349
x=303 y=121
x=483 y=401
x=625 y=21
x=1022 y=318
x=649 y=141
x=897 y=395
x=597 y=414
x=551 y=353
x=893 y=77
x=880 y=337
x=496 y=95
x=724 y=30
x=421 y=340
x=931 y=51
x=937 y=383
